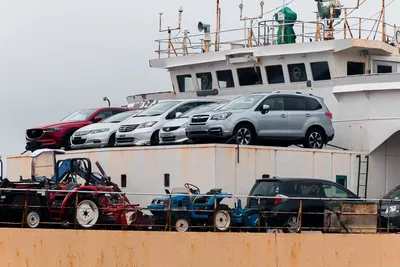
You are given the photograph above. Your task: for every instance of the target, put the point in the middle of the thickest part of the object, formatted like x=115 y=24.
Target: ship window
x=384 y=69
x=204 y=80
x=225 y=79
x=249 y=76
x=275 y=74
x=297 y=72
x=320 y=71
x=355 y=68
x=185 y=83
x=123 y=180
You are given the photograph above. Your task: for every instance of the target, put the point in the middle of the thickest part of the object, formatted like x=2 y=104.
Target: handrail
x=267 y=34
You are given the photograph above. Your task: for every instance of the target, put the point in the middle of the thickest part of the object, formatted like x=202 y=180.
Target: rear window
x=267 y=188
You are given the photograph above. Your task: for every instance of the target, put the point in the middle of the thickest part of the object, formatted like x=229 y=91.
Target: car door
x=298 y=116
x=273 y=122
x=312 y=209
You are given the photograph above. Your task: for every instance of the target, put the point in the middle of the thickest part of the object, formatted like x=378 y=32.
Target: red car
x=58 y=135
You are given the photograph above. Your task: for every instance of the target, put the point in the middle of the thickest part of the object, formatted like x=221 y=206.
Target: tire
x=111 y=141
x=222 y=218
x=33 y=219
x=87 y=213
x=291 y=225
x=155 y=139
x=181 y=224
x=244 y=134
x=315 y=138
x=66 y=143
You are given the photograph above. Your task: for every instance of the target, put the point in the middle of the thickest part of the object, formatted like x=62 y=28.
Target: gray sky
x=60 y=56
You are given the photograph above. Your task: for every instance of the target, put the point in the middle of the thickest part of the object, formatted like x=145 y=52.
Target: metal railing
x=266 y=33
x=37 y=208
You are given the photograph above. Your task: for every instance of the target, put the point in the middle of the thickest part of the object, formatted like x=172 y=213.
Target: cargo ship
x=340 y=58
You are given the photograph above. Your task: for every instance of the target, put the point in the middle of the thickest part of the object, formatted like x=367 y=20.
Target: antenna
x=207 y=39
x=169 y=30
x=250 y=30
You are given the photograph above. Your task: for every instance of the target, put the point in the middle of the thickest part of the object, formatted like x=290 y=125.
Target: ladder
x=363 y=166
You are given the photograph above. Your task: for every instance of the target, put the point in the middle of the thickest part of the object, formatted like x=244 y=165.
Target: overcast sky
x=60 y=56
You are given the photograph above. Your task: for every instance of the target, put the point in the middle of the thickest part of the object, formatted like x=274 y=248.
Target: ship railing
x=302 y=214
x=265 y=33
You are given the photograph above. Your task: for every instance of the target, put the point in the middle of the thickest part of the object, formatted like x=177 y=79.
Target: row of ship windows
x=252 y=76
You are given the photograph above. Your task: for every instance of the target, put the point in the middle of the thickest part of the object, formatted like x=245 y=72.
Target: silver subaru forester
x=292 y=117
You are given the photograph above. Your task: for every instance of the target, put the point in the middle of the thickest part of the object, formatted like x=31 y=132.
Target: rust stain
x=293 y=256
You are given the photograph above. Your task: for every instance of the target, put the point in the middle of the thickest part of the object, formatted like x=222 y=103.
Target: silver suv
x=295 y=118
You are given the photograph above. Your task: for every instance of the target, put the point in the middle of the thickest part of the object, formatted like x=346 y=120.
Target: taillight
x=279 y=199
x=329 y=115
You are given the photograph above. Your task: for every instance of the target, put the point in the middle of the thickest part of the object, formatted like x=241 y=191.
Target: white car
x=174 y=132
x=144 y=128
x=101 y=134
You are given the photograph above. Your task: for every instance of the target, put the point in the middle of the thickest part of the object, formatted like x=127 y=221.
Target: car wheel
x=66 y=143
x=87 y=213
x=155 y=139
x=244 y=134
x=111 y=141
x=315 y=138
x=292 y=225
x=33 y=219
x=181 y=224
x=222 y=219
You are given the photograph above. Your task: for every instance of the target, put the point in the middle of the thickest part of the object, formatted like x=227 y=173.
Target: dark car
x=58 y=135
x=390 y=211
x=281 y=212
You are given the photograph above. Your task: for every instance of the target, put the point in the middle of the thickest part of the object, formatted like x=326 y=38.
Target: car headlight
x=392 y=209
x=51 y=130
x=221 y=116
x=183 y=126
x=100 y=131
x=146 y=124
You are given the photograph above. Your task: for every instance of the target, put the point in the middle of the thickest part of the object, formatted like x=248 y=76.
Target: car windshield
x=243 y=102
x=79 y=115
x=393 y=194
x=203 y=108
x=158 y=109
x=266 y=188
x=120 y=117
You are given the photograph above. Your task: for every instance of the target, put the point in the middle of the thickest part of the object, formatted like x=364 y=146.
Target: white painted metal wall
x=207 y=166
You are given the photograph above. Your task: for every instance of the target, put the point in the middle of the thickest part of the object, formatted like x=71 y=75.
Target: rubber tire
x=74 y=212
x=285 y=230
x=249 y=128
x=225 y=208
x=111 y=141
x=175 y=220
x=38 y=214
x=306 y=144
x=155 y=139
x=66 y=141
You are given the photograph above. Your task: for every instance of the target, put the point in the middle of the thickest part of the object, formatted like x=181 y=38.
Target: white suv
x=144 y=128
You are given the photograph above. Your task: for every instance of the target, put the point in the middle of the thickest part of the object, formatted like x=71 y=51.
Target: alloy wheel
x=315 y=140
x=243 y=136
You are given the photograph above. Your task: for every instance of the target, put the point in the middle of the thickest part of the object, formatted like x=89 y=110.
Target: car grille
x=81 y=133
x=78 y=141
x=127 y=128
x=170 y=129
x=168 y=139
x=34 y=133
x=200 y=118
x=125 y=140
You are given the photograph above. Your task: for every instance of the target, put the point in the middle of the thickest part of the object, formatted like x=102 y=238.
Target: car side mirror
x=178 y=114
x=97 y=119
x=265 y=109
